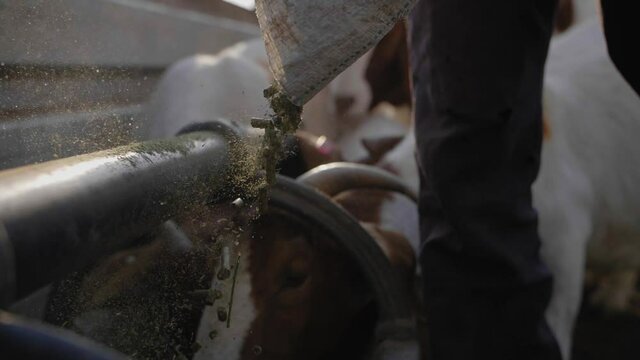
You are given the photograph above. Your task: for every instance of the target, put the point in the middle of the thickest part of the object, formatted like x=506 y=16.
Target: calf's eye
x=295 y=274
x=293 y=279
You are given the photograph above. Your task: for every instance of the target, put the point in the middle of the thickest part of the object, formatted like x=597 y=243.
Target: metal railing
x=59 y=216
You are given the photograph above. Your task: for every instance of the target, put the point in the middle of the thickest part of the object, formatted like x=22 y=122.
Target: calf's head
x=308 y=294
x=297 y=294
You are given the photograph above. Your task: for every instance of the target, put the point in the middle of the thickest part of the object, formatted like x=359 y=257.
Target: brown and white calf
x=295 y=293
x=230 y=83
x=299 y=295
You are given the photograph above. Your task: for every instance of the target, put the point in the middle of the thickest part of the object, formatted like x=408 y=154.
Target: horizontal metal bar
x=62 y=215
x=26 y=339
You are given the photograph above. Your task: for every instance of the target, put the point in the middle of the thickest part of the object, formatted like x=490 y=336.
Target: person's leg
x=478 y=67
x=621 y=28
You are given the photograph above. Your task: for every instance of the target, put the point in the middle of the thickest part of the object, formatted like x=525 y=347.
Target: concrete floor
x=600 y=336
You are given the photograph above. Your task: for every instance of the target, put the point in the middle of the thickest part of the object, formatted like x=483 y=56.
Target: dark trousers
x=477 y=72
x=621 y=29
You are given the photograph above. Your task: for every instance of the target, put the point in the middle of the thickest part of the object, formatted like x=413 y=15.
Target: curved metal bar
x=334 y=178
x=62 y=215
x=394 y=306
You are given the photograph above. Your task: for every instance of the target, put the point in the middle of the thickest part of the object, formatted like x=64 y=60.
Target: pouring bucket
x=310 y=42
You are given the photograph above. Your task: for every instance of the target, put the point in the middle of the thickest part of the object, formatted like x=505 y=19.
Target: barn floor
x=601 y=336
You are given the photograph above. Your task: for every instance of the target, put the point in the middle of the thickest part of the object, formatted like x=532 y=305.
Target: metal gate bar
x=62 y=215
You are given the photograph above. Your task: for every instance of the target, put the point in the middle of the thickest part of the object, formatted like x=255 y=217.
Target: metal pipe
x=62 y=215
x=27 y=339
x=334 y=178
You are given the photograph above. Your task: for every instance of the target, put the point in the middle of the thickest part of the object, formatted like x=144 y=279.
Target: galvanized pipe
x=60 y=216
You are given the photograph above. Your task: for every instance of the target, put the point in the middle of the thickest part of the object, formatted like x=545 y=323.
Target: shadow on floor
x=600 y=336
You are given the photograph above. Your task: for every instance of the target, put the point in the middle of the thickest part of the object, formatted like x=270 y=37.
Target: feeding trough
x=63 y=216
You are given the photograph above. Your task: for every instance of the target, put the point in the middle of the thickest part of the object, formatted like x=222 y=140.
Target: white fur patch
x=400 y=214
x=228 y=342
x=589 y=175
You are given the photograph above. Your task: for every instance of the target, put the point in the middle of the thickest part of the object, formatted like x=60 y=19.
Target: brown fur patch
x=364 y=205
x=395 y=246
x=377 y=148
x=565 y=15
x=388 y=70
x=546 y=128
x=389 y=168
x=307 y=292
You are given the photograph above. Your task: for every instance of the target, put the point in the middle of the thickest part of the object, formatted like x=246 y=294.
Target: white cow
x=203 y=88
x=230 y=84
x=587 y=192
x=585 y=10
